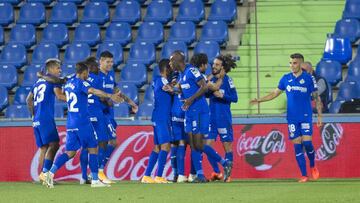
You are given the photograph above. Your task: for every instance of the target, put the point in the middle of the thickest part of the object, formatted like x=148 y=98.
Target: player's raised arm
x=272 y=95
x=59 y=94
x=30 y=103
x=114 y=97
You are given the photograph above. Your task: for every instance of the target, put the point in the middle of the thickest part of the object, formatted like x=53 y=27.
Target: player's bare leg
x=42 y=154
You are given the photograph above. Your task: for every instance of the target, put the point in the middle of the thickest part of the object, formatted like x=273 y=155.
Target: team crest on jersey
x=195 y=72
x=86 y=84
x=231 y=83
x=302 y=81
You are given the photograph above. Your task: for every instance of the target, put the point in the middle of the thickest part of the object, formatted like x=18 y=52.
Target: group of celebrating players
x=182 y=116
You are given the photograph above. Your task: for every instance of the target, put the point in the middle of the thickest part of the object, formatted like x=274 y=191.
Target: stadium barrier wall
x=261 y=150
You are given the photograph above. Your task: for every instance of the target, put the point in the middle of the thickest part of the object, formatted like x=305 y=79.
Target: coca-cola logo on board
x=331 y=134
x=128 y=161
x=255 y=148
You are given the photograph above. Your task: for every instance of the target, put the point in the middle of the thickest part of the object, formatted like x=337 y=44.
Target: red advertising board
x=260 y=151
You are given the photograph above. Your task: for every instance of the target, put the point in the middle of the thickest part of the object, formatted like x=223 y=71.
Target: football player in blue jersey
x=41 y=101
x=299 y=87
x=193 y=87
x=107 y=75
x=80 y=132
x=161 y=118
x=221 y=98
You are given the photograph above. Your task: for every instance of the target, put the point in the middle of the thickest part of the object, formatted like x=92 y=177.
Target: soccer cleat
x=49 y=179
x=83 y=181
x=175 y=179
x=303 y=179
x=216 y=176
x=42 y=178
x=191 y=177
x=103 y=178
x=227 y=170
x=315 y=173
x=200 y=180
x=147 y=179
x=98 y=183
x=182 y=179
x=160 y=180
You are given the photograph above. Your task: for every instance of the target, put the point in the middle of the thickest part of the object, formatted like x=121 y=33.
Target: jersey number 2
x=72 y=96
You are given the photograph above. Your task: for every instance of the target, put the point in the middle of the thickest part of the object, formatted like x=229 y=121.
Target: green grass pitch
x=252 y=190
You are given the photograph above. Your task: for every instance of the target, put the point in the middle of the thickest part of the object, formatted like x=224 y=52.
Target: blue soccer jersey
x=220 y=113
x=95 y=105
x=44 y=124
x=108 y=85
x=189 y=86
x=298 y=91
x=162 y=112
x=197 y=115
x=76 y=91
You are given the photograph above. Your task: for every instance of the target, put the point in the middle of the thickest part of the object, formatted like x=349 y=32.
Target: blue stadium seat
x=129 y=89
x=59 y=110
x=171 y=46
x=43 y=52
x=107 y=1
x=352 y=8
x=23 y=34
x=32 y=13
x=335 y=106
x=96 y=12
x=127 y=11
x=215 y=31
x=17 y=111
x=149 y=94
x=1 y=36
x=118 y=33
x=8 y=76
x=76 y=52
x=6 y=14
x=67 y=69
x=349 y=28
x=45 y=2
x=142 y=52
x=337 y=48
x=224 y=10
x=55 y=33
x=72 y=1
x=13 y=54
x=145 y=111
x=330 y=70
x=151 y=32
x=135 y=73
x=191 y=10
x=21 y=95
x=160 y=11
x=353 y=73
x=210 y=48
x=13 y=2
x=64 y=12
x=87 y=33
x=30 y=76
x=183 y=31
x=3 y=97
x=348 y=90
x=121 y=110
x=114 y=48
